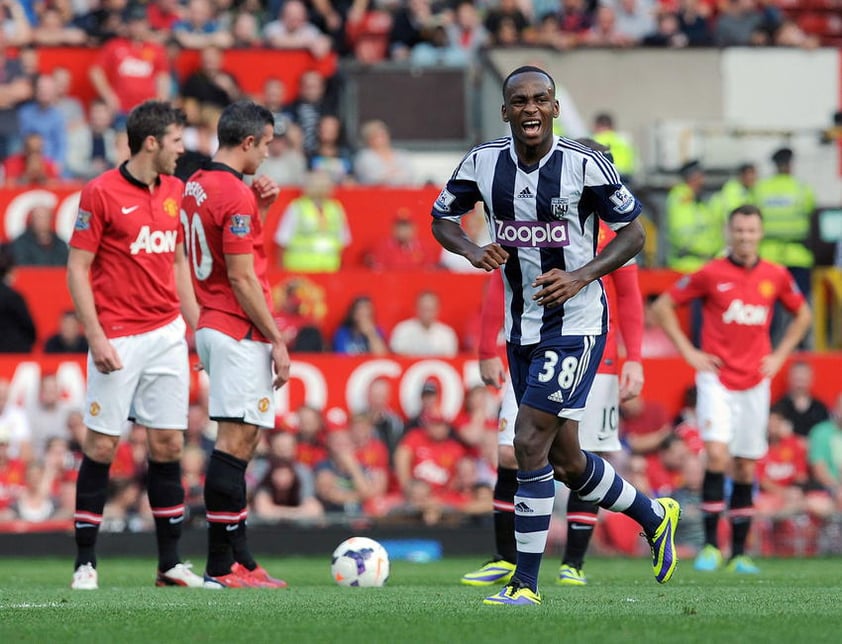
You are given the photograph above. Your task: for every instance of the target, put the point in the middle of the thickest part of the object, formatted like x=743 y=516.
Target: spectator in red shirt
x=430 y=455
x=162 y=15
x=131 y=69
x=784 y=472
x=311 y=435
x=12 y=476
x=30 y=166
x=402 y=251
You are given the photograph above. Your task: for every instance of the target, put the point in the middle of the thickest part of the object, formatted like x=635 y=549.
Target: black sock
x=741 y=511
x=223 y=502
x=239 y=540
x=581 y=520
x=713 y=503
x=166 y=498
x=91 y=491
x=504 y=514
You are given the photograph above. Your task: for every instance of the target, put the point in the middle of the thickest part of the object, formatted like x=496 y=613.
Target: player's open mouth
x=531 y=126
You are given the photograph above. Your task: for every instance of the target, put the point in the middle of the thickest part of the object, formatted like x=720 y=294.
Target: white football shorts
x=240 y=374
x=737 y=418
x=152 y=388
x=598 y=429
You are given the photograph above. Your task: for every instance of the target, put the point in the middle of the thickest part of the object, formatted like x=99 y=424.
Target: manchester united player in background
x=237 y=339
x=128 y=277
x=733 y=370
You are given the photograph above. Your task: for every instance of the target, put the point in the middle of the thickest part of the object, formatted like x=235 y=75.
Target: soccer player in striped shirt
x=544 y=196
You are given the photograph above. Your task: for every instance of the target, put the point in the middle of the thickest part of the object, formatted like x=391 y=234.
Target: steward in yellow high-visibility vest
x=620 y=146
x=787 y=205
x=737 y=191
x=313 y=230
x=694 y=231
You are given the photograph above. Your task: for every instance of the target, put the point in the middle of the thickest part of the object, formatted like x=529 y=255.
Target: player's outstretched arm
x=249 y=294
x=450 y=235
x=105 y=356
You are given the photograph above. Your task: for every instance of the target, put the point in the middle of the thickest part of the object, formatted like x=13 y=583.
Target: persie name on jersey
x=154 y=241
x=739 y=312
x=194 y=189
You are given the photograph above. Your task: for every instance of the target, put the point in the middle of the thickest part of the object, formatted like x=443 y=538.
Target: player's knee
x=165 y=446
x=100 y=447
x=530 y=451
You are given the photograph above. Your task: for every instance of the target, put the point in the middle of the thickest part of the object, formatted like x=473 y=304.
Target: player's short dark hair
x=604 y=119
x=527 y=69
x=151 y=118
x=596 y=145
x=745 y=209
x=745 y=167
x=241 y=120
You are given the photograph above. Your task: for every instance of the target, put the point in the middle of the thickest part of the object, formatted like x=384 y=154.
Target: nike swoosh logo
x=128 y=211
x=85 y=525
x=177 y=519
x=576 y=526
x=232 y=527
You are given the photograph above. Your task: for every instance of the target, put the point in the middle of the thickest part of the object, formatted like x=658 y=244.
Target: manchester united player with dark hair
x=128 y=278
x=238 y=340
x=733 y=370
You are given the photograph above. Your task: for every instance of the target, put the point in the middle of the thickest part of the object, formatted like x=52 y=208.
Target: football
x=360 y=562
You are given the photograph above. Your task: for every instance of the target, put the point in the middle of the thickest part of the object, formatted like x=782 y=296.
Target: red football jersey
x=131 y=69
x=223 y=220
x=785 y=463
x=433 y=461
x=133 y=233
x=737 y=311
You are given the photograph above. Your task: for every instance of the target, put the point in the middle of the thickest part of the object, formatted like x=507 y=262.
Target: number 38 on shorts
x=560 y=373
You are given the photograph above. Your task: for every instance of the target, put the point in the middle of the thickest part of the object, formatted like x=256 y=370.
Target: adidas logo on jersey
x=526 y=193
x=556 y=397
x=523 y=508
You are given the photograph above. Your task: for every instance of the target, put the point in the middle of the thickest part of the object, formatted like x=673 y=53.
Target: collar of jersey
x=223 y=167
x=124 y=171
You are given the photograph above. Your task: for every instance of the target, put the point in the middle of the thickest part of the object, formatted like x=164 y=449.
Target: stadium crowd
x=320 y=465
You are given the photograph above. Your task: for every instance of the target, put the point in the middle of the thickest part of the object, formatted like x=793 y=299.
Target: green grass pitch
x=791 y=601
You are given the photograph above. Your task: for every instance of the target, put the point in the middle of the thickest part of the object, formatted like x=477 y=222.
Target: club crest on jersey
x=766 y=288
x=444 y=200
x=83 y=220
x=623 y=200
x=170 y=206
x=240 y=225
x=558 y=207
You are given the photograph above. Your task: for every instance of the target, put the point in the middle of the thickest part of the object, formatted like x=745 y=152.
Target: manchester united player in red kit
x=237 y=339
x=128 y=278
x=733 y=370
